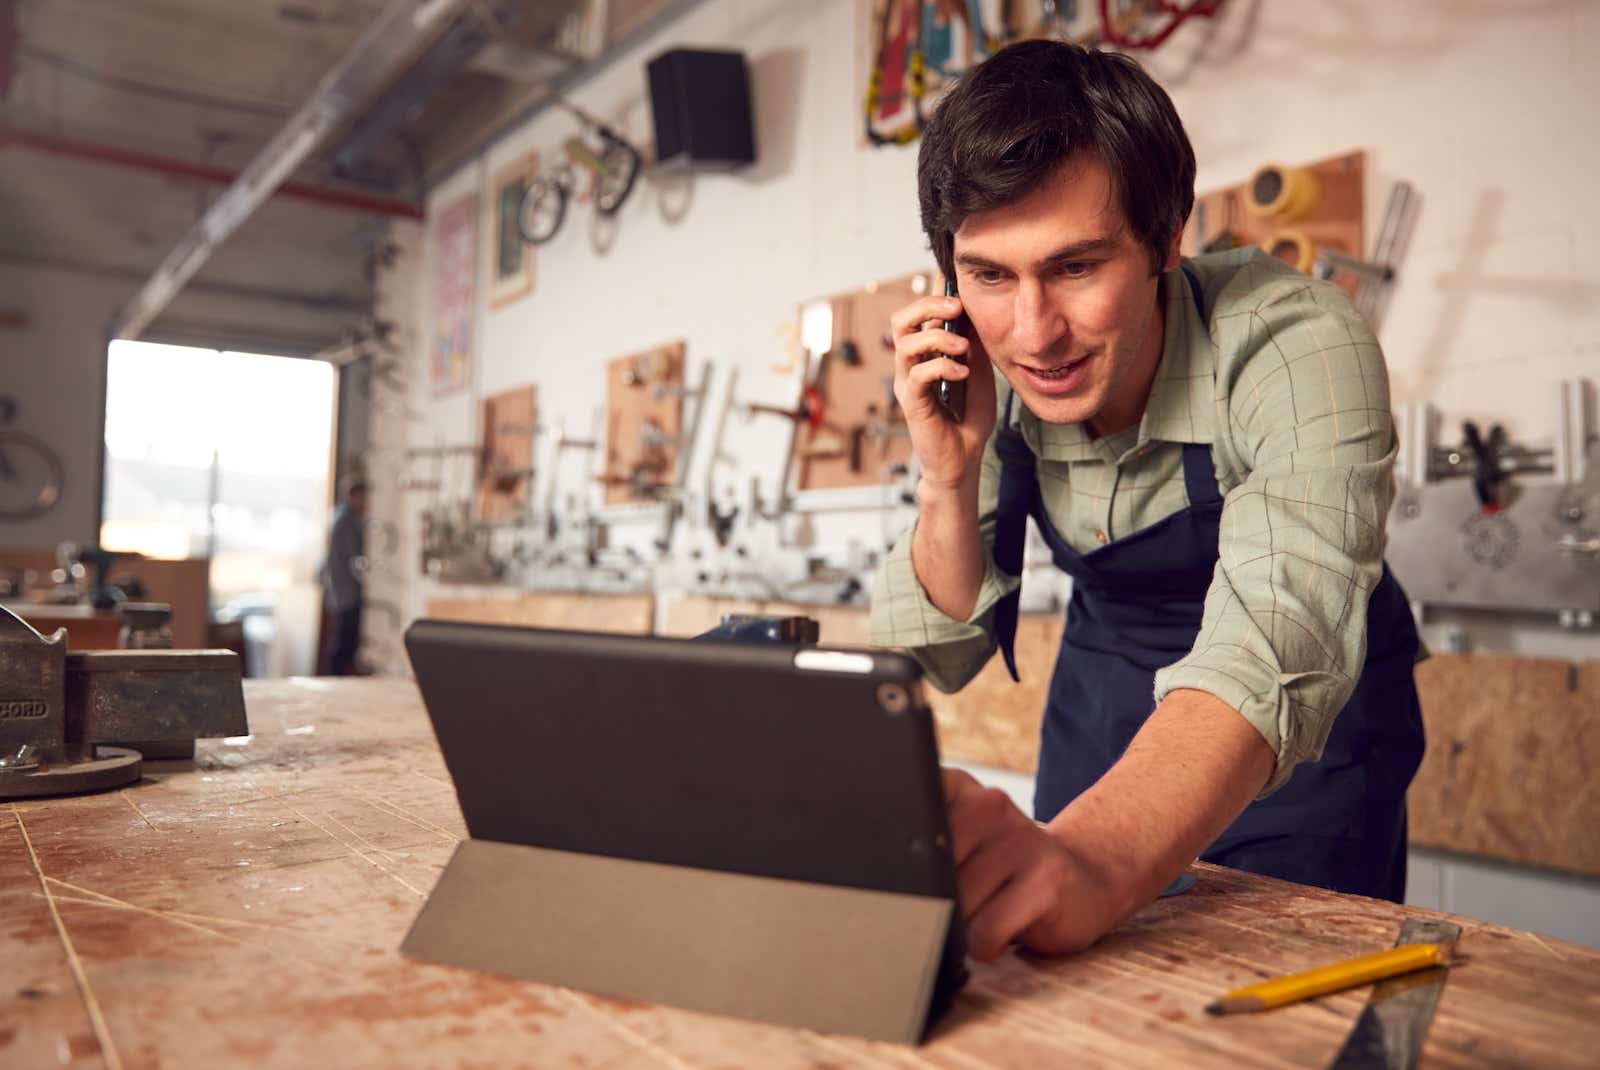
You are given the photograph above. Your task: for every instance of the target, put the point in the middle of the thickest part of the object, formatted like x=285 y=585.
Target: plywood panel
x=185 y=586
x=249 y=913
x=627 y=614
x=1513 y=750
x=861 y=436
x=644 y=419
x=995 y=720
x=1336 y=221
x=843 y=626
x=505 y=464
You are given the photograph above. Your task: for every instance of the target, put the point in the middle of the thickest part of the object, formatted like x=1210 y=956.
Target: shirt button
x=1100 y=537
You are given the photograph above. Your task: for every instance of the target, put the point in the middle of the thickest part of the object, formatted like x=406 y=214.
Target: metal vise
x=83 y=721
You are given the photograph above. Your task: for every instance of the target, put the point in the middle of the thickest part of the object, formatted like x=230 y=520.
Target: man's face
x=1061 y=295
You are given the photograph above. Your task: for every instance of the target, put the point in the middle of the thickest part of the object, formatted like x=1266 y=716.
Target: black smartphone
x=952 y=395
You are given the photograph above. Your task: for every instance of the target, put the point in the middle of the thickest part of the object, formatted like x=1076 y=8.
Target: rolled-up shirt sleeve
x=950 y=651
x=1305 y=396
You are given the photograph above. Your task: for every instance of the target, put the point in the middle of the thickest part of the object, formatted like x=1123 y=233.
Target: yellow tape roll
x=1281 y=193
x=1294 y=249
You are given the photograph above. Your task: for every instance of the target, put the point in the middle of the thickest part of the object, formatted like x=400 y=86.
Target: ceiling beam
x=174 y=167
x=383 y=51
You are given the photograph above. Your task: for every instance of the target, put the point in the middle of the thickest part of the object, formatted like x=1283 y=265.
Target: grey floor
x=1540 y=901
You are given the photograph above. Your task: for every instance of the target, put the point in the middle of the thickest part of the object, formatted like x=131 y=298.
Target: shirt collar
x=1182 y=396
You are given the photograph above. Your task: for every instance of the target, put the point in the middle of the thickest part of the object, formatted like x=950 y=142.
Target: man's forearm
x=1193 y=767
x=947 y=550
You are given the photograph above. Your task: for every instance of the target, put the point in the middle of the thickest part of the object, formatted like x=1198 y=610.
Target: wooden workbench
x=247 y=910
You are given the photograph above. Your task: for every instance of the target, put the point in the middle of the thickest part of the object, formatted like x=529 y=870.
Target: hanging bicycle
x=609 y=159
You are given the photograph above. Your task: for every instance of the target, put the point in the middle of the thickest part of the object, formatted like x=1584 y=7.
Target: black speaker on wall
x=701 y=101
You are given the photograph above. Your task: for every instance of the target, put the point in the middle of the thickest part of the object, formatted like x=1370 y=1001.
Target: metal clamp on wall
x=1470 y=530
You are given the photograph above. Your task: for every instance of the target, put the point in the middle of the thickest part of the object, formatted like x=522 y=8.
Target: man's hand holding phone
x=928 y=333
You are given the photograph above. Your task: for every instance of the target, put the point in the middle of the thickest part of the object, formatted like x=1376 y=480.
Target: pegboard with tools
x=505 y=463
x=850 y=430
x=1294 y=213
x=644 y=423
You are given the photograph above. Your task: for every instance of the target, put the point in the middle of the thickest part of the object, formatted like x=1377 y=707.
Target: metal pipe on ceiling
x=173 y=167
x=381 y=52
x=318 y=302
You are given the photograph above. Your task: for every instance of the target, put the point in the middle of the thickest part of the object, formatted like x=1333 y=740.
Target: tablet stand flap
x=816 y=956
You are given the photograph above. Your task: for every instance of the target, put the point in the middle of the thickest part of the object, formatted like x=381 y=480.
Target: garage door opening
x=226 y=456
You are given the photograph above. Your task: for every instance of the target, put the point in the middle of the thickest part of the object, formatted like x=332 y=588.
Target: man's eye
x=987 y=277
x=1077 y=269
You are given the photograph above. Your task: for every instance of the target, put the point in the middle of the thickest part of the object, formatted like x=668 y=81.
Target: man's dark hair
x=1017 y=116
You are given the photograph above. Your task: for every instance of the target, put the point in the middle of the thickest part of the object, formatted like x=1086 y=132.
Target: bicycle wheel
x=31 y=476
x=543 y=208
x=619 y=167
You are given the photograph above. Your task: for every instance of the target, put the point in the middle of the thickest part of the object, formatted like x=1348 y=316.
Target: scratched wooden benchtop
x=246 y=911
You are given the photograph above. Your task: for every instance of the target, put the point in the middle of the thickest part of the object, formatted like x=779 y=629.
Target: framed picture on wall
x=513 y=257
x=455 y=263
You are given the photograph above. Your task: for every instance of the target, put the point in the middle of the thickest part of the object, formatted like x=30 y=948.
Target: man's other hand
x=1018 y=883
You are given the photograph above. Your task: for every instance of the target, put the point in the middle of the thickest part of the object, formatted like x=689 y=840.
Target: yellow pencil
x=1340 y=975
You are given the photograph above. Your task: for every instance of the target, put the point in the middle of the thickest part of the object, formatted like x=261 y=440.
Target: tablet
x=768 y=759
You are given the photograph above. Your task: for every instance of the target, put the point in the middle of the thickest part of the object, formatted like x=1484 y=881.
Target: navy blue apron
x=1136 y=606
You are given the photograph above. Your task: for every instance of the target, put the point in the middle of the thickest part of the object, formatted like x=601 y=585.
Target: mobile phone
x=952 y=395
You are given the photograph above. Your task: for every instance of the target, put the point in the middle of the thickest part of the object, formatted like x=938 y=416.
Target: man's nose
x=1037 y=325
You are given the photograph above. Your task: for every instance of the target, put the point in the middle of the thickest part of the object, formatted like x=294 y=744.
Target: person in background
x=342 y=578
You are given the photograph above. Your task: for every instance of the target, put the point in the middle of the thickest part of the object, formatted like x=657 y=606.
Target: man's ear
x=1173 y=255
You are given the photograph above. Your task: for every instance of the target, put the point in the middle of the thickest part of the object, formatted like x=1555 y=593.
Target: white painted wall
x=1488 y=110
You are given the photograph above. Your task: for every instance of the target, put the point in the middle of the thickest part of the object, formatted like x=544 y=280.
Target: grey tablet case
x=748 y=829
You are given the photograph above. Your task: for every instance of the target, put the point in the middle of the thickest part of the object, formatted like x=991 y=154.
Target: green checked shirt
x=1288 y=386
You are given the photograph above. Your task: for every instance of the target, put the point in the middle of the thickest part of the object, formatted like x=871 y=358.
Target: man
x=342 y=575
x=1208 y=450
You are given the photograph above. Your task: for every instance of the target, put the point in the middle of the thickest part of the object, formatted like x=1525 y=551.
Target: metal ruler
x=1394 y=1023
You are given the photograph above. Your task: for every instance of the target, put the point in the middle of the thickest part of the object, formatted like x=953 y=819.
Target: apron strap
x=1018 y=486
x=1200 y=474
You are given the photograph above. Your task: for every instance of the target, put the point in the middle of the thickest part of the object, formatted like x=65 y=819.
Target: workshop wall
x=52 y=363
x=1489 y=116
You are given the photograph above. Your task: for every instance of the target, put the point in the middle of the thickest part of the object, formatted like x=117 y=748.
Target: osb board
x=627 y=614
x=837 y=625
x=248 y=912
x=643 y=390
x=861 y=396
x=183 y=584
x=992 y=721
x=505 y=463
x=1336 y=222
x=1512 y=759
x=995 y=720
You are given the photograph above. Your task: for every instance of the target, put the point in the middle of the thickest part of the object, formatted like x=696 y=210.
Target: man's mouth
x=1056 y=371
x=1062 y=379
